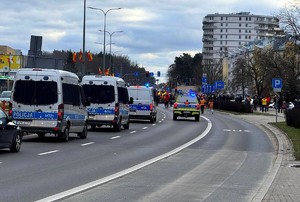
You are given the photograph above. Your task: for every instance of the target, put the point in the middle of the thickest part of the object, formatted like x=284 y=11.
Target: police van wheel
x=65 y=134
x=117 y=126
x=83 y=134
x=126 y=126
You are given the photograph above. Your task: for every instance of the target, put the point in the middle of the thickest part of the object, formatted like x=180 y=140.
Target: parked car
x=5 y=95
x=10 y=134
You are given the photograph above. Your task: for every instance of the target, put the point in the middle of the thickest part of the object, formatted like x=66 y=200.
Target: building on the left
x=11 y=60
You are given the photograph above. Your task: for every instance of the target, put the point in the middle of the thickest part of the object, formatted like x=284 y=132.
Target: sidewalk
x=283 y=183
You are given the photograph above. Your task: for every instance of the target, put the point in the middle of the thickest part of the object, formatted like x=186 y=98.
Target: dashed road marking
x=238 y=131
x=115 y=137
x=144 y=128
x=133 y=132
x=153 y=124
x=88 y=143
x=49 y=152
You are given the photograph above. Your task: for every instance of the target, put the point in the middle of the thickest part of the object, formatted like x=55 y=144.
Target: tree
x=186 y=70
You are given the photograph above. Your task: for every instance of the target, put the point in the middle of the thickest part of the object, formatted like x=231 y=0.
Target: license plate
x=23 y=122
x=185 y=112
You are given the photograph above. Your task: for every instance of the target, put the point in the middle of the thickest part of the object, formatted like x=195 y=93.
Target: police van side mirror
x=131 y=100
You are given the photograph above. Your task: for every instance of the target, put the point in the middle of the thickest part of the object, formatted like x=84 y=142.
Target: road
x=229 y=162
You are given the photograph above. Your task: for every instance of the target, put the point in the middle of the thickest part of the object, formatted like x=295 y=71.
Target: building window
x=246 y=25
x=249 y=37
x=221 y=36
x=240 y=43
x=240 y=37
x=226 y=18
x=240 y=18
x=222 y=24
x=226 y=30
x=221 y=42
x=240 y=25
x=240 y=31
x=221 y=18
x=245 y=37
x=221 y=30
x=226 y=24
x=249 y=18
x=226 y=37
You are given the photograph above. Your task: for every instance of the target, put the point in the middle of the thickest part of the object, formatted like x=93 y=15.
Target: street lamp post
x=110 y=36
x=104 y=28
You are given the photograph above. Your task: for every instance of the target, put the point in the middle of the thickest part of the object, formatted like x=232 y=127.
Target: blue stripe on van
x=74 y=116
x=139 y=107
x=34 y=115
x=101 y=111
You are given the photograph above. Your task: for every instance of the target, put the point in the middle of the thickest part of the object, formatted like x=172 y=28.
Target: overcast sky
x=154 y=31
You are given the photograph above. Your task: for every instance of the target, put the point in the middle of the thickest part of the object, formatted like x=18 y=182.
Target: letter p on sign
x=277 y=84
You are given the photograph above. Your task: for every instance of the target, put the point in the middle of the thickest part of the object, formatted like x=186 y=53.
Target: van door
x=35 y=100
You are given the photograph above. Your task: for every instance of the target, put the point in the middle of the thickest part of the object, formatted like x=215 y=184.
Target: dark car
x=10 y=134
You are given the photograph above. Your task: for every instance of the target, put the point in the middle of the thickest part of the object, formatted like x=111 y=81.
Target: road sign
x=204 y=79
x=219 y=85
x=276 y=82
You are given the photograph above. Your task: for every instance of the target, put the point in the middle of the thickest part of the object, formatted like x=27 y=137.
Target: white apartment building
x=224 y=33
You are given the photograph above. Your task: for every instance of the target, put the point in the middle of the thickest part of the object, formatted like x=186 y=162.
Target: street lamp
x=110 y=36
x=104 y=28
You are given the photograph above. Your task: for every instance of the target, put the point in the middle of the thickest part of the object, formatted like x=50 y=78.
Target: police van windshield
x=100 y=94
x=35 y=92
x=139 y=94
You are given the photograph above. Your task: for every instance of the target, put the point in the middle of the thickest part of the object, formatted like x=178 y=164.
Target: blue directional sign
x=276 y=82
x=219 y=84
x=117 y=75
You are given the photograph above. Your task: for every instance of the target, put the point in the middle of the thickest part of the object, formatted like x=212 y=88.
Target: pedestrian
x=202 y=104
x=264 y=102
x=211 y=106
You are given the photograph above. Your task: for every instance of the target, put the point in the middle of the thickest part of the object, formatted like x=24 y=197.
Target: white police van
x=143 y=103
x=49 y=101
x=109 y=101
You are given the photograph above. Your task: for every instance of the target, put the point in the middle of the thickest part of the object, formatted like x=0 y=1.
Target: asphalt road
x=230 y=163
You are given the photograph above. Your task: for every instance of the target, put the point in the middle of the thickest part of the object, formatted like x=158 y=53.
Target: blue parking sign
x=276 y=82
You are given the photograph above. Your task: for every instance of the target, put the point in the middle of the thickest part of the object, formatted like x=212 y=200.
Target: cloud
x=154 y=32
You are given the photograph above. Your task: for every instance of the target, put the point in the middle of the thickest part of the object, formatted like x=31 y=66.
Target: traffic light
x=158 y=73
x=147 y=73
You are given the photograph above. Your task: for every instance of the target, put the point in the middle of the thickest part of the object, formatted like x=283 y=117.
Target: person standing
x=211 y=106
x=264 y=102
x=202 y=104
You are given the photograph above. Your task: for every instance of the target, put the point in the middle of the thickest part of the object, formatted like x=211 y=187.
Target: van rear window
x=139 y=94
x=35 y=92
x=99 y=94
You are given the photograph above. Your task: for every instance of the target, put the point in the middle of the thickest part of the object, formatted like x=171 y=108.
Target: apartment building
x=223 y=33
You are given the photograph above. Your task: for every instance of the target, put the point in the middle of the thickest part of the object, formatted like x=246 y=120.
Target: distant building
x=6 y=50
x=223 y=33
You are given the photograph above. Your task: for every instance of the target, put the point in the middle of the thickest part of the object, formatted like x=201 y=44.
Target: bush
x=293 y=117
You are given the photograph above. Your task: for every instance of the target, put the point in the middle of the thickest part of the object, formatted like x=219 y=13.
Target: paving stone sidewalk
x=283 y=183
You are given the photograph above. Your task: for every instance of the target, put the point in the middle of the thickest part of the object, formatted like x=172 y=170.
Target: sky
x=153 y=32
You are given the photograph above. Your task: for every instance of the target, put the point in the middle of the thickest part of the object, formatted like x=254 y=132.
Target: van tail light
x=151 y=107
x=60 y=113
x=9 y=109
x=117 y=109
x=175 y=105
x=198 y=106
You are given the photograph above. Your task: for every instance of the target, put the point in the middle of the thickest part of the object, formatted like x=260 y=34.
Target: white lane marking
x=88 y=143
x=159 y=122
x=126 y=171
x=115 y=137
x=153 y=124
x=133 y=132
x=49 y=152
x=0 y=162
x=240 y=131
x=144 y=128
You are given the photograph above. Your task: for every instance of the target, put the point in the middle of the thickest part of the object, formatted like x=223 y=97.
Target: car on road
x=5 y=95
x=186 y=106
x=10 y=134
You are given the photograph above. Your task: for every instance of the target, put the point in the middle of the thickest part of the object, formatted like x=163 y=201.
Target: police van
x=109 y=101
x=49 y=101
x=143 y=103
